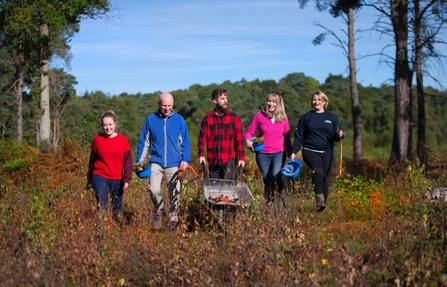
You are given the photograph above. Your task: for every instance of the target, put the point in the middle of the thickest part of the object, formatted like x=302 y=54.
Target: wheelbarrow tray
x=226 y=192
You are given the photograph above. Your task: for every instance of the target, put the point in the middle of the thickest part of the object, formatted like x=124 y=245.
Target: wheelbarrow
x=227 y=197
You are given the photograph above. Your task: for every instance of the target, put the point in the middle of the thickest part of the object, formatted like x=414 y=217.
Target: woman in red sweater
x=110 y=165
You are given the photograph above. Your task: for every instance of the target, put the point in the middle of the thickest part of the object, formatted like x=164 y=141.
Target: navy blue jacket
x=316 y=131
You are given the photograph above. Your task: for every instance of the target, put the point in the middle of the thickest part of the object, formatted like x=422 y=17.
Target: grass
x=378 y=230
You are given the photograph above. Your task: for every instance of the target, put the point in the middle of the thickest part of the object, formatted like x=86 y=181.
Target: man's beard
x=222 y=109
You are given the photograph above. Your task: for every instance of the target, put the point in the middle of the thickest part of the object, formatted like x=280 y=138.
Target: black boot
x=321 y=205
x=281 y=202
x=269 y=198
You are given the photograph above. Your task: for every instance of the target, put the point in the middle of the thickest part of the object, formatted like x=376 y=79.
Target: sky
x=148 y=46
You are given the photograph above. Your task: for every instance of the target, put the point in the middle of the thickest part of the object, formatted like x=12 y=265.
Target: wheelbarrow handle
x=204 y=171
x=241 y=170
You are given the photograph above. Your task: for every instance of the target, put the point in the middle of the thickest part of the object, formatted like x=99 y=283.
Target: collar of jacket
x=161 y=116
x=264 y=112
x=217 y=115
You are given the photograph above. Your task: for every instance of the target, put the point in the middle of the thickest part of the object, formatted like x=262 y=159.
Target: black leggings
x=321 y=166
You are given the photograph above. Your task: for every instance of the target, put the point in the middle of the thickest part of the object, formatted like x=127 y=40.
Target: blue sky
x=155 y=45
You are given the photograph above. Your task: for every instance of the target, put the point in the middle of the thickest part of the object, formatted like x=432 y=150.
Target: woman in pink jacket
x=272 y=124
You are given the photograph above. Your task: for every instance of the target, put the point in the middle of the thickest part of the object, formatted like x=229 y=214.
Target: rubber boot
x=321 y=205
x=281 y=202
x=269 y=198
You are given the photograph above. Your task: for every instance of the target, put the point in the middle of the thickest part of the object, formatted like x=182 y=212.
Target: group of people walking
x=164 y=143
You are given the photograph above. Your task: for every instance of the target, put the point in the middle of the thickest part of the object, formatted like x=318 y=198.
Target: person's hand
x=241 y=163
x=136 y=166
x=292 y=157
x=249 y=145
x=202 y=160
x=183 y=165
x=341 y=134
x=126 y=185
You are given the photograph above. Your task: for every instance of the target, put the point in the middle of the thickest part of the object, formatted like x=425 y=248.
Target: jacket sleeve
x=337 y=127
x=287 y=142
x=127 y=168
x=201 y=137
x=251 y=129
x=186 y=144
x=144 y=142
x=298 y=135
x=239 y=139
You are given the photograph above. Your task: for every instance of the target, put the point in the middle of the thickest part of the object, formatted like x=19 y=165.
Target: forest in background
x=78 y=116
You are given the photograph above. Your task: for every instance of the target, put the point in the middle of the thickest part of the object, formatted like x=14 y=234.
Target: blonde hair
x=280 y=111
x=322 y=96
x=111 y=114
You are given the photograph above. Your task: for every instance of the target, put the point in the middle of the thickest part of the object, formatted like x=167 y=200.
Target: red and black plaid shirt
x=222 y=137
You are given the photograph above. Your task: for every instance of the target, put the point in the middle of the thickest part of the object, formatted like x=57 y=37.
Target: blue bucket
x=145 y=173
x=258 y=147
x=292 y=169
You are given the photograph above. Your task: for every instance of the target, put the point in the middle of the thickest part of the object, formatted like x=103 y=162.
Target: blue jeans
x=102 y=187
x=270 y=166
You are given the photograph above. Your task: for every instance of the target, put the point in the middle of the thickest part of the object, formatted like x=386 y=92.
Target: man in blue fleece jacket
x=165 y=142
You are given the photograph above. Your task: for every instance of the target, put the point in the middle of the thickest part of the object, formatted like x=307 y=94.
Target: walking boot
x=281 y=202
x=269 y=194
x=321 y=205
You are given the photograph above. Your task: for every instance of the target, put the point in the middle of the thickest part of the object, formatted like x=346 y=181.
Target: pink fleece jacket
x=276 y=135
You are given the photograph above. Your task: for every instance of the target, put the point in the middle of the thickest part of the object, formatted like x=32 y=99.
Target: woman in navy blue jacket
x=316 y=132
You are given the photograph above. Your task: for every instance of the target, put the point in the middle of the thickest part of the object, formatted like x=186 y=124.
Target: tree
x=61 y=89
x=345 y=9
x=429 y=18
x=14 y=43
x=402 y=82
x=7 y=98
x=415 y=26
x=397 y=12
x=31 y=29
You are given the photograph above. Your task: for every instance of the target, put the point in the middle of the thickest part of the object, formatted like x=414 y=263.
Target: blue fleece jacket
x=164 y=140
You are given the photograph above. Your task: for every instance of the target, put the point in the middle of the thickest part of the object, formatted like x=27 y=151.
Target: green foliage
x=15 y=157
x=368 y=225
x=358 y=195
x=16 y=164
x=81 y=114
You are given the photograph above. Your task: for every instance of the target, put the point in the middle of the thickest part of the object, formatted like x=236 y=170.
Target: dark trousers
x=224 y=171
x=102 y=187
x=321 y=166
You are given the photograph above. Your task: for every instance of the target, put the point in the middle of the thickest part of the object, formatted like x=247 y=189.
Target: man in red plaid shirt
x=221 y=135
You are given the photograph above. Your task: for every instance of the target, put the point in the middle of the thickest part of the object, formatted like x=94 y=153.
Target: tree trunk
x=56 y=125
x=45 y=123
x=355 y=103
x=402 y=82
x=38 y=141
x=420 y=153
x=55 y=133
x=19 y=99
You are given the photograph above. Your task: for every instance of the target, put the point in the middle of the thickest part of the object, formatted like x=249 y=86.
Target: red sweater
x=111 y=158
